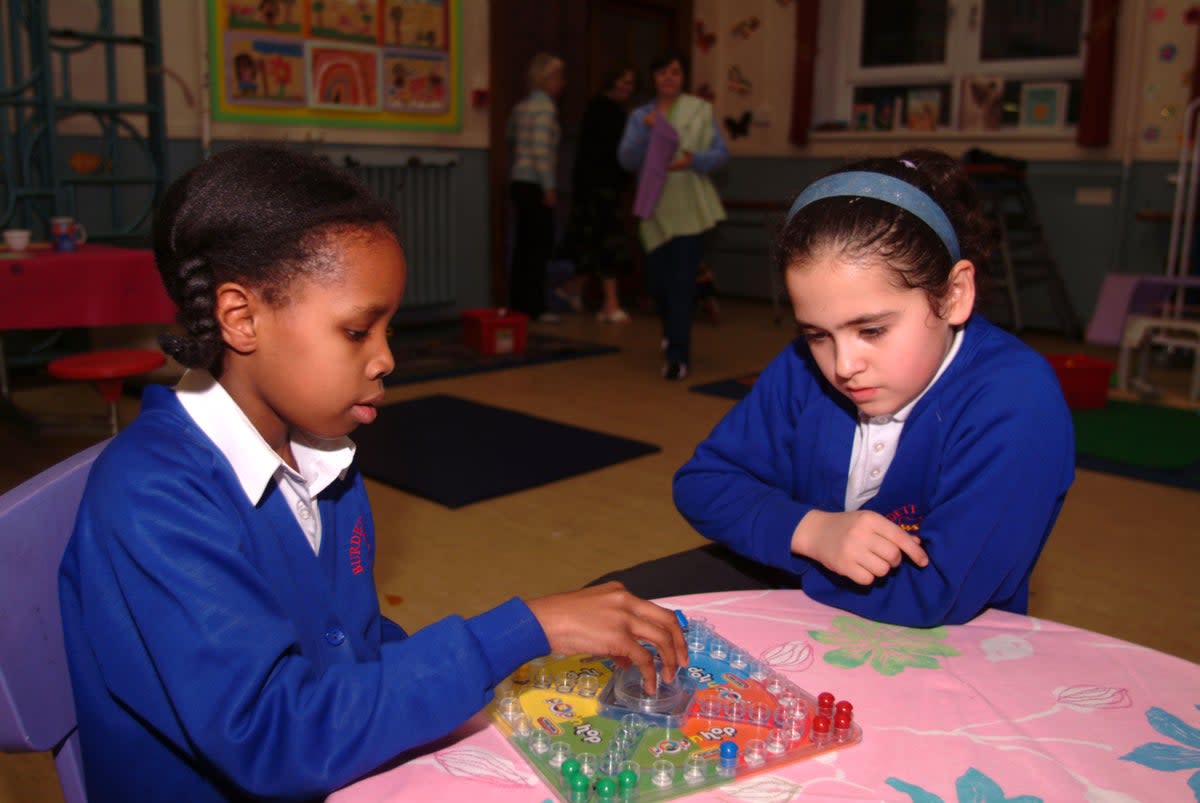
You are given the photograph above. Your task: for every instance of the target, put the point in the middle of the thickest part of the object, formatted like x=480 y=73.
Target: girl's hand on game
x=859 y=544
x=608 y=620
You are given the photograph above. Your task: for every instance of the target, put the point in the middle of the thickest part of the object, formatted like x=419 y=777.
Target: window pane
x=1031 y=29
x=896 y=32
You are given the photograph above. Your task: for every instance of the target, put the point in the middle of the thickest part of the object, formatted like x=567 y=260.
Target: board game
x=593 y=733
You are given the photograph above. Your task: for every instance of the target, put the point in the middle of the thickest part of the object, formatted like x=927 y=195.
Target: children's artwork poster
x=343 y=77
x=362 y=63
x=414 y=82
x=262 y=71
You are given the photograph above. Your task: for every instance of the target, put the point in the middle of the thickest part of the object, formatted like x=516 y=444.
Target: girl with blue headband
x=903 y=458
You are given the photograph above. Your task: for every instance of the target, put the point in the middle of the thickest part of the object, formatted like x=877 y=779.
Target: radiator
x=422 y=188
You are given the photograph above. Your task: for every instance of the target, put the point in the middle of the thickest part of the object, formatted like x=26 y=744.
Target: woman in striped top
x=533 y=136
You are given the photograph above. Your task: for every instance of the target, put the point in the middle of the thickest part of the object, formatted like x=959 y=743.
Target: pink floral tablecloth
x=1005 y=708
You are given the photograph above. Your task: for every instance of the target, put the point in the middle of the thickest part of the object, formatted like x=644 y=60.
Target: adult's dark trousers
x=711 y=567
x=532 y=245
x=671 y=279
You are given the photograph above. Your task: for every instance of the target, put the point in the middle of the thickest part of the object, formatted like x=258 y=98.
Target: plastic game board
x=591 y=731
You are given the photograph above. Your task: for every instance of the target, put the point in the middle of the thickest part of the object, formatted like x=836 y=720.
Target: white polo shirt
x=876 y=440
x=257 y=465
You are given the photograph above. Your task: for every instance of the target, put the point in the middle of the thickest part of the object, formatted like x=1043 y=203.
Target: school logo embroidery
x=906 y=518
x=360 y=547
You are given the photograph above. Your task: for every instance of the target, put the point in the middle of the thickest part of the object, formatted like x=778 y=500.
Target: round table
x=1006 y=707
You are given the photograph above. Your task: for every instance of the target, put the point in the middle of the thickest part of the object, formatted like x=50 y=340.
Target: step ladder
x=1023 y=258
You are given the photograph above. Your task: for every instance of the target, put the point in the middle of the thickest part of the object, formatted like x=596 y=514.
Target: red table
x=96 y=285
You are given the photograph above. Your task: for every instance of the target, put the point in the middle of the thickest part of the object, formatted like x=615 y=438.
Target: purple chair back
x=37 y=711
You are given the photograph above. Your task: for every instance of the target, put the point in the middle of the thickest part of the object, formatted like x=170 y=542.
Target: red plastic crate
x=488 y=330
x=1084 y=379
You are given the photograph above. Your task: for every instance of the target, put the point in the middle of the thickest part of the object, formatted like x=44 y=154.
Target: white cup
x=17 y=239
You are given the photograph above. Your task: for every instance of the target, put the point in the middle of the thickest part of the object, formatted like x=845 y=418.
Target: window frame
x=837 y=66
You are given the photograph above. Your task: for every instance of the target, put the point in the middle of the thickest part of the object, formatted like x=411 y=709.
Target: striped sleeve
x=543 y=147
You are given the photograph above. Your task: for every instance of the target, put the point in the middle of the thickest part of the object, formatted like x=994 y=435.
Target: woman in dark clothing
x=595 y=236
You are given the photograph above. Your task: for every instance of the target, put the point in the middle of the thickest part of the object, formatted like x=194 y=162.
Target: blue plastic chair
x=37 y=710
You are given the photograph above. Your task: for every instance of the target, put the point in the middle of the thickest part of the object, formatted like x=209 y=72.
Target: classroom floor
x=1120 y=560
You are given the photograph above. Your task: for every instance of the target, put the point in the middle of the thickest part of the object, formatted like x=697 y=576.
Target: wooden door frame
x=499 y=101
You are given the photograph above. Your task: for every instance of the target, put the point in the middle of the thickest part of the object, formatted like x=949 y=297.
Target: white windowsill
x=948 y=134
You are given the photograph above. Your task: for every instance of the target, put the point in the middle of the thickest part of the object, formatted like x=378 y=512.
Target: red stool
x=107 y=370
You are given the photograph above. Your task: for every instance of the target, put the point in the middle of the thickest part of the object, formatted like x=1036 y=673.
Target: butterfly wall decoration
x=738 y=82
x=739 y=127
x=705 y=39
x=746 y=27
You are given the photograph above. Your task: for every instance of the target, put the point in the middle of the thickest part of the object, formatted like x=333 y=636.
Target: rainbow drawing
x=344 y=77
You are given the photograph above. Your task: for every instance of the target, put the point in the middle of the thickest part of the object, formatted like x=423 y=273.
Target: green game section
x=572 y=786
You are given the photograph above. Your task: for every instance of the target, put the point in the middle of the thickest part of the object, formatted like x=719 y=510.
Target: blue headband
x=885 y=188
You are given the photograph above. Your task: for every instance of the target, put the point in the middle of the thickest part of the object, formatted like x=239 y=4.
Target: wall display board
x=358 y=63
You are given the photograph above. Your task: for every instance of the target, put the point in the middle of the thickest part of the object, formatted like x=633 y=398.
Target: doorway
x=591 y=36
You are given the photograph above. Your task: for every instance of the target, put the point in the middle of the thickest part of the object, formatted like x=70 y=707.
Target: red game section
x=594 y=734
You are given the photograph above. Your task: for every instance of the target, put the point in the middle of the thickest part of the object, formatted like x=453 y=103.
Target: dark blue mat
x=735 y=388
x=441 y=354
x=457 y=452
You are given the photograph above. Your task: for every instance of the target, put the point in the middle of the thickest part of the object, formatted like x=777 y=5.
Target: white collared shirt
x=256 y=464
x=876 y=440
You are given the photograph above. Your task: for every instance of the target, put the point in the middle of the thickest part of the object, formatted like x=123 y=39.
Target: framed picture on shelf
x=1044 y=105
x=888 y=113
x=924 y=109
x=980 y=106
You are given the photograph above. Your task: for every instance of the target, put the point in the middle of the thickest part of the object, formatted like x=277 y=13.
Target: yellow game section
x=579 y=665
x=551 y=708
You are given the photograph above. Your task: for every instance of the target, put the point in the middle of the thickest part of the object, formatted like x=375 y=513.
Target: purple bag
x=664 y=140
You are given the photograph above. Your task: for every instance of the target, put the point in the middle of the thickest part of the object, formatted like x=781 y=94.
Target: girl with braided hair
x=218 y=600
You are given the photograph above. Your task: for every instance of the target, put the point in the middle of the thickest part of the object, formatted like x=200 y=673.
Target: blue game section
x=593 y=733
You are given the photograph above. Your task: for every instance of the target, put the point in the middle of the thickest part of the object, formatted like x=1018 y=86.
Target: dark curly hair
x=862 y=227
x=259 y=215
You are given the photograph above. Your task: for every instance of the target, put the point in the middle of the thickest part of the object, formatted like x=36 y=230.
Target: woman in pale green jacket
x=687 y=207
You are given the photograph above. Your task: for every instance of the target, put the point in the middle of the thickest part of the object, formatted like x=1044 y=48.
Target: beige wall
x=185 y=42
x=1150 y=94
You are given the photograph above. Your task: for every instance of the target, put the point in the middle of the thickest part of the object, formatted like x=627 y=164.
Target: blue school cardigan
x=215 y=657
x=980 y=474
